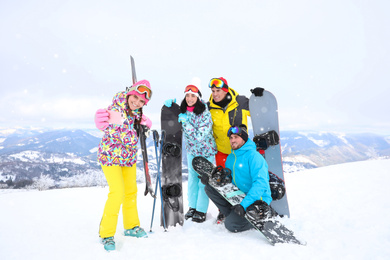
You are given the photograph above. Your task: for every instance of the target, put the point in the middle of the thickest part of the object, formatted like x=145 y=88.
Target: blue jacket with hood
x=250 y=173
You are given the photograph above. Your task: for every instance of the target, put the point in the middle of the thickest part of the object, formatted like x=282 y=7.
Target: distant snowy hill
x=61 y=154
x=305 y=150
x=341 y=211
x=68 y=157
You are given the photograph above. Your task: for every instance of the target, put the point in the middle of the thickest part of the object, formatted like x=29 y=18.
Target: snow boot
x=136 y=232
x=190 y=213
x=220 y=218
x=199 y=217
x=109 y=243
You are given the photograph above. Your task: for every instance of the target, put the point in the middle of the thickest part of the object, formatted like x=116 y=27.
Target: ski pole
x=159 y=177
x=156 y=140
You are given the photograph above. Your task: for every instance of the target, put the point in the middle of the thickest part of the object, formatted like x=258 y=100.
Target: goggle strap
x=190 y=91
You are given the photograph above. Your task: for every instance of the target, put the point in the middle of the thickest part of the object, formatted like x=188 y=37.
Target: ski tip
x=151 y=194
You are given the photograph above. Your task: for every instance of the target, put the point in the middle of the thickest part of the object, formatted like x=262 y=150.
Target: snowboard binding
x=221 y=175
x=278 y=189
x=265 y=140
x=171 y=193
x=260 y=212
x=171 y=149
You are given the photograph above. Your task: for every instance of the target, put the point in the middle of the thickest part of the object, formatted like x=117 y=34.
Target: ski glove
x=239 y=210
x=168 y=103
x=182 y=118
x=101 y=119
x=204 y=179
x=257 y=91
x=146 y=121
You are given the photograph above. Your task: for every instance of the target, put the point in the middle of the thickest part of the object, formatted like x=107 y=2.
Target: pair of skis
x=142 y=136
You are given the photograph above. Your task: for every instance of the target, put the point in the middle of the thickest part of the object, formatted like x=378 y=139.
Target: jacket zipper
x=234 y=164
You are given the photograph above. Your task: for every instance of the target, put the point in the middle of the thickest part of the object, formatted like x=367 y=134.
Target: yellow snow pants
x=122 y=191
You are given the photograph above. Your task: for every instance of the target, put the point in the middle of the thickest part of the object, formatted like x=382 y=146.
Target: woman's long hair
x=129 y=112
x=199 y=106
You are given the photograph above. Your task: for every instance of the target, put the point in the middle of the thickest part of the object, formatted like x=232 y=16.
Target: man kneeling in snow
x=249 y=172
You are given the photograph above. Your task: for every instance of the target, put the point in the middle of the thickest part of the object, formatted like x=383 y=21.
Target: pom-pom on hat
x=141 y=89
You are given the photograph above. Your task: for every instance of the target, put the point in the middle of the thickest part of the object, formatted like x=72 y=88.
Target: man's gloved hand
x=239 y=210
x=257 y=91
x=168 y=103
x=101 y=119
x=204 y=179
x=182 y=118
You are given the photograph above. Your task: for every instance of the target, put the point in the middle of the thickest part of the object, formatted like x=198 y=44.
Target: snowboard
x=273 y=230
x=265 y=123
x=171 y=176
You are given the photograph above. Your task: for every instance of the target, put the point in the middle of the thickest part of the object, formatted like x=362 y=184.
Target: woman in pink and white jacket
x=117 y=155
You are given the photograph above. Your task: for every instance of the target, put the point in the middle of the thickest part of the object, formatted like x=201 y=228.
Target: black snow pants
x=233 y=222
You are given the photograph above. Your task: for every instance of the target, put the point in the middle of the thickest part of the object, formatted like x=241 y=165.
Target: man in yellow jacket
x=227 y=108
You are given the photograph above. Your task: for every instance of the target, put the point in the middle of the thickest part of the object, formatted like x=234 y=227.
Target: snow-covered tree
x=44 y=182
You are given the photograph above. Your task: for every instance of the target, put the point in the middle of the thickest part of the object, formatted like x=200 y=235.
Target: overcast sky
x=327 y=62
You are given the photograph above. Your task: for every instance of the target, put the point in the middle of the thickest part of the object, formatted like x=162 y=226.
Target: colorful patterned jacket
x=118 y=146
x=198 y=134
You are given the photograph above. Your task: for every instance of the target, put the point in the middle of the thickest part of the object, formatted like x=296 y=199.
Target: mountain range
x=28 y=154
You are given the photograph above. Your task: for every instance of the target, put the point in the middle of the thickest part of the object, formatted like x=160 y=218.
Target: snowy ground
x=342 y=212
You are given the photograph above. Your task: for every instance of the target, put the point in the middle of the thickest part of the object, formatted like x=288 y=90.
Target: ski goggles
x=142 y=89
x=191 y=88
x=235 y=130
x=218 y=83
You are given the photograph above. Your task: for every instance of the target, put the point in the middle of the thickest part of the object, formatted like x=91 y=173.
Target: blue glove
x=183 y=118
x=168 y=103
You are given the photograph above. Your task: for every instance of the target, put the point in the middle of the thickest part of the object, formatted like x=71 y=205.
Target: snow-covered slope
x=342 y=212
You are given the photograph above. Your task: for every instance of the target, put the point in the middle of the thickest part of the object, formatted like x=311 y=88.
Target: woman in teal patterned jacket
x=199 y=141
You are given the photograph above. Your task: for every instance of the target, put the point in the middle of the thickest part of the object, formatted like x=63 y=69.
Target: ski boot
x=199 y=217
x=190 y=213
x=109 y=243
x=136 y=232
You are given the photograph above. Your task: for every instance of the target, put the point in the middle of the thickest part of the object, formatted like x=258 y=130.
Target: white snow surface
x=341 y=211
